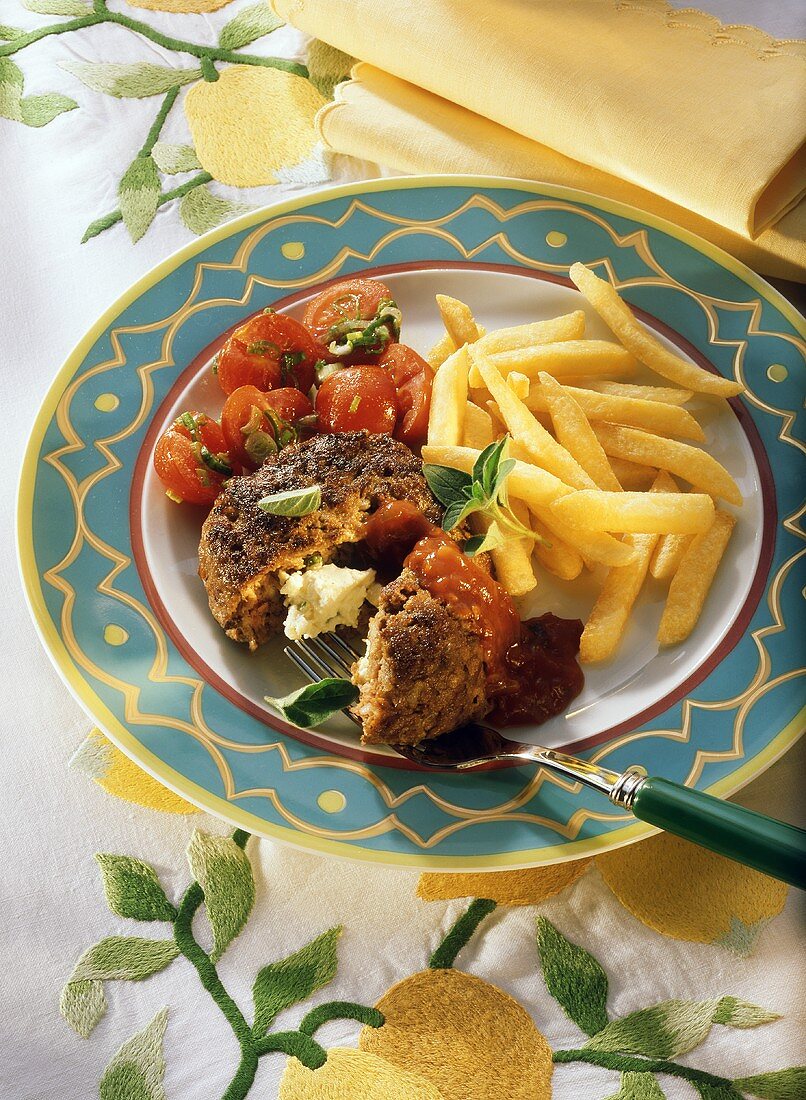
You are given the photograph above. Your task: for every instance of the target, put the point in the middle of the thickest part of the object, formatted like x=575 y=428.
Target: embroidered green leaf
x=57 y=7
x=294 y=979
x=735 y=1013
x=175 y=158
x=82 y=1004
x=39 y=110
x=327 y=67
x=574 y=978
x=125 y=957
x=138 y=192
x=11 y=85
x=223 y=871
x=781 y=1084
x=136 y=81
x=201 y=210
x=250 y=23
x=132 y=888
x=137 y=1070
x=717 y=1092
x=8 y=33
x=638 y=1086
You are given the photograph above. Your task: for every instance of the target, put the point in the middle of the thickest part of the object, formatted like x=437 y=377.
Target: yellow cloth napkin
x=668 y=106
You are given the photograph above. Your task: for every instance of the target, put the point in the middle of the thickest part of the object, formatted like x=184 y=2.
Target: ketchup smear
x=532 y=671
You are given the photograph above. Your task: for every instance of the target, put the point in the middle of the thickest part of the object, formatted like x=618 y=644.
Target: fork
x=770 y=846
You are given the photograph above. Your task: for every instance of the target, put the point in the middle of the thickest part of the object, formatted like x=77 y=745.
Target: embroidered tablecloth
x=149 y=951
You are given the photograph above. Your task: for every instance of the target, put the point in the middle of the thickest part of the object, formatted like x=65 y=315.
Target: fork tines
x=321 y=657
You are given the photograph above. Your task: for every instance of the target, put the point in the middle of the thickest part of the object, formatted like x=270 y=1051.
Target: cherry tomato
x=413 y=379
x=191 y=458
x=355 y=300
x=250 y=433
x=356 y=398
x=269 y=351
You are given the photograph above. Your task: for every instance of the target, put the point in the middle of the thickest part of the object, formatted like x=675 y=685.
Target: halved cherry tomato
x=191 y=459
x=356 y=398
x=269 y=351
x=351 y=305
x=250 y=428
x=413 y=379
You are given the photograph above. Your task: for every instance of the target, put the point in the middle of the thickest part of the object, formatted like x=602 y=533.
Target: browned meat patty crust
x=243 y=549
x=423 y=673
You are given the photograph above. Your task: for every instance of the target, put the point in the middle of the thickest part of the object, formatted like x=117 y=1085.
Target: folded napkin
x=665 y=109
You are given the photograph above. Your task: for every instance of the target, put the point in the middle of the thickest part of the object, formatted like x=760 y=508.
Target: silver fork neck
x=620 y=787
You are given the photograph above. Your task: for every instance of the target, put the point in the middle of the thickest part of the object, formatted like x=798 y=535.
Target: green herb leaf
x=292 y=502
x=172 y=159
x=248 y=25
x=57 y=7
x=132 y=888
x=224 y=872
x=137 y=1070
x=135 y=81
x=485 y=469
x=138 y=193
x=446 y=484
x=315 y=703
x=492 y=539
x=201 y=210
x=327 y=67
x=574 y=978
x=124 y=958
x=456 y=512
x=294 y=979
x=82 y=1004
x=781 y=1084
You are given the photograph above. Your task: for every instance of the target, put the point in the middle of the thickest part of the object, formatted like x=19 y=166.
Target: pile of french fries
x=599 y=459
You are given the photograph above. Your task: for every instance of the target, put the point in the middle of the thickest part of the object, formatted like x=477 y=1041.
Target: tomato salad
x=342 y=368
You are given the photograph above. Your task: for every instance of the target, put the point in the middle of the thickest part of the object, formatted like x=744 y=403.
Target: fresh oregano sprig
x=315 y=703
x=483 y=491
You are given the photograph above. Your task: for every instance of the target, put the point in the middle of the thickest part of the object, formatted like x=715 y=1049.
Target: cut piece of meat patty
x=423 y=673
x=243 y=549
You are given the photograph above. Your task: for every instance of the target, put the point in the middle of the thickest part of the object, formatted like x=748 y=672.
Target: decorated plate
x=110 y=564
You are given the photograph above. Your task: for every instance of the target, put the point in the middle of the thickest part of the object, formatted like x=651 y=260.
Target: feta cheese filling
x=320 y=599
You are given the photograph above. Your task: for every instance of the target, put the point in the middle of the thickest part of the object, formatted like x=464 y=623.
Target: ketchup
x=532 y=672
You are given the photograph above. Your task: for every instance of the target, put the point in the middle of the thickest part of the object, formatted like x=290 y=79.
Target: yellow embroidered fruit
x=469 y=1039
x=526 y=887
x=353 y=1075
x=251 y=122
x=184 y=7
x=691 y=894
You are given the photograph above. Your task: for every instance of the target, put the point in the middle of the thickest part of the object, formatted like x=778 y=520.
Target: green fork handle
x=770 y=846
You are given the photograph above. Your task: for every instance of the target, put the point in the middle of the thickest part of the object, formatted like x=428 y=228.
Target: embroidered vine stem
x=628 y=1064
x=460 y=932
x=107 y=220
x=159 y=122
x=101 y=14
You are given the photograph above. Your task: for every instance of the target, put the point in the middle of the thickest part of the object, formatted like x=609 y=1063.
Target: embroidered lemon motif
x=525 y=887
x=469 y=1039
x=251 y=122
x=691 y=894
x=354 y=1074
x=183 y=7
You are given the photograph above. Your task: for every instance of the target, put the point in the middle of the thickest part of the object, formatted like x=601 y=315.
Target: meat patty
x=243 y=549
x=423 y=673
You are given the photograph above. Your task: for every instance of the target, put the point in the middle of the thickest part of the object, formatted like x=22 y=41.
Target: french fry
x=667 y=394
x=668 y=555
x=592 y=546
x=440 y=351
x=608 y=619
x=448 y=400
x=512 y=561
x=639 y=513
x=653 y=416
x=638 y=340
x=568 y=357
x=519 y=384
x=575 y=433
x=690 y=463
x=528 y=483
x=478 y=428
x=554 y=554
x=458 y=320
x=692 y=581
x=631 y=475
x=570 y=326
x=531 y=436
